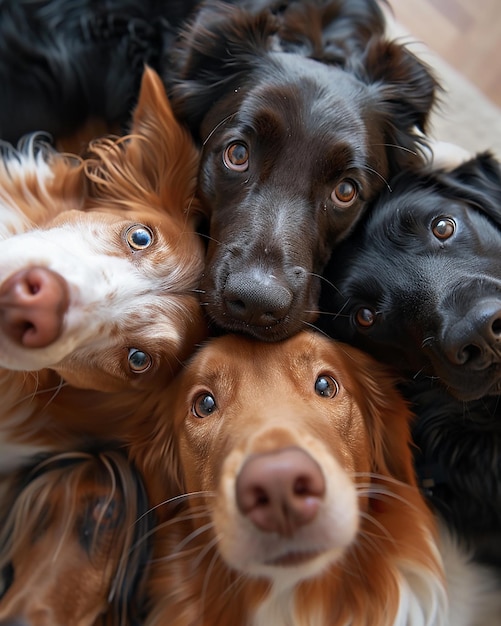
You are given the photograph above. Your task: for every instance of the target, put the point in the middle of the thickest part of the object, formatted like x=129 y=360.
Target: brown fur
x=147 y=177
x=72 y=535
x=266 y=401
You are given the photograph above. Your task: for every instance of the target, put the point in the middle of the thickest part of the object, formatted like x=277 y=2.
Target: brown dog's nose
x=280 y=491
x=32 y=306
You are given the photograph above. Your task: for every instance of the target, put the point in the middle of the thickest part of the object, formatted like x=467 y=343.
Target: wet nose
x=32 y=306
x=257 y=298
x=280 y=491
x=474 y=340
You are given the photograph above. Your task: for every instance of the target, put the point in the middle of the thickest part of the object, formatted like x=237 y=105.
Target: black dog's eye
x=139 y=361
x=345 y=193
x=236 y=157
x=365 y=317
x=443 y=227
x=204 y=405
x=326 y=386
x=139 y=237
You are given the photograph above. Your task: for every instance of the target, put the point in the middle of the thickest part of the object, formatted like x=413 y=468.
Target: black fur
x=63 y=61
x=423 y=294
x=458 y=462
x=427 y=303
x=315 y=97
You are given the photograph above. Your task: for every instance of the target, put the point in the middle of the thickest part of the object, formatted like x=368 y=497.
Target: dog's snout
x=280 y=491
x=32 y=304
x=475 y=340
x=257 y=298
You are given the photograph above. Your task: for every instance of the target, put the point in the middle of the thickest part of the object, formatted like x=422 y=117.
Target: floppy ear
x=217 y=51
x=478 y=182
x=387 y=414
x=405 y=91
x=332 y=31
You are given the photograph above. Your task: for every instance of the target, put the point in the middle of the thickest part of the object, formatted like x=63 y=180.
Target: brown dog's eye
x=139 y=237
x=326 y=386
x=139 y=361
x=105 y=512
x=236 y=157
x=204 y=405
x=443 y=227
x=345 y=193
x=365 y=317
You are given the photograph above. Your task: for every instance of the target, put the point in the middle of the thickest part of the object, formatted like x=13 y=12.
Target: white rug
x=465 y=117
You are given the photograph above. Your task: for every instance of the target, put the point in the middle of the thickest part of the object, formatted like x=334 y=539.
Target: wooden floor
x=465 y=33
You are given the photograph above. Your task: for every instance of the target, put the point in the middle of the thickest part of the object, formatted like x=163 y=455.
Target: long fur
x=66 y=65
x=375 y=559
x=73 y=536
x=132 y=315
x=303 y=114
x=430 y=307
x=458 y=462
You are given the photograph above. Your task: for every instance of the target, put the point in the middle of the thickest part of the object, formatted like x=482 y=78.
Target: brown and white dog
x=99 y=265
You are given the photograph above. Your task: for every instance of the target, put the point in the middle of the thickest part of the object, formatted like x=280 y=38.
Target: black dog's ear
x=216 y=53
x=405 y=91
x=478 y=182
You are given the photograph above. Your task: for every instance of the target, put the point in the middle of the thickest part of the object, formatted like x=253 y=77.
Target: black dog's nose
x=256 y=298
x=475 y=340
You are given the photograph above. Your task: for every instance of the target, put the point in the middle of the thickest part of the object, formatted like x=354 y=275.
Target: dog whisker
x=371 y=169
x=218 y=125
x=192 y=536
x=372 y=520
x=178 y=498
x=327 y=281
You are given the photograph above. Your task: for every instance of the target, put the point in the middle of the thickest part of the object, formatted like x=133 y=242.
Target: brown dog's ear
x=156 y=163
x=386 y=413
x=405 y=91
x=160 y=147
x=216 y=52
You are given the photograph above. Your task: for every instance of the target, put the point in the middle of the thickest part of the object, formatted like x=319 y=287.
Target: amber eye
x=236 y=157
x=365 y=317
x=138 y=237
x=326 y=386
x=139 y=361
x=204 y=405
x=345 y=193
x=443 y=227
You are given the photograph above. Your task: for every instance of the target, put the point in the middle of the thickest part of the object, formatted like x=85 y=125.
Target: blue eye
x=204 y=405
x=139 y=237
x=326 y=386
x=139 y=361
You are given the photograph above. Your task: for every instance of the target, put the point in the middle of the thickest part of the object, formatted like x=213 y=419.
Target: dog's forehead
x=319 y=98
x=230 y=361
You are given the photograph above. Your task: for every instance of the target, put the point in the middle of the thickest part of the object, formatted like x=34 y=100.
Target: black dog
x=458 y=463
x=419 y=283
x=303 y=112
x=65 y=61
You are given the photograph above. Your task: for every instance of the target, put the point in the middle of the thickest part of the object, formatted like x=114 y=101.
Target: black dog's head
x=302 y=117
x=419 y=284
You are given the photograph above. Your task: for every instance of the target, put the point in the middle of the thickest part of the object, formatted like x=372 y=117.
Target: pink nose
x=280 y=491
x=32 y=306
